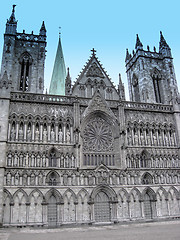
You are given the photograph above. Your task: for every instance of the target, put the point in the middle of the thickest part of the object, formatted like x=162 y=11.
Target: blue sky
x=108 y=26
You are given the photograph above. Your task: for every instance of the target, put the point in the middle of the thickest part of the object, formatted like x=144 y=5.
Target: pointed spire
x=164 y=47
x=163 y=42
x=138 y=43
x=127 y=55
x=121 y=89
x=12 y=18
x=11 y=25
x=42 y=30
x=68 y=83
x=57 y=86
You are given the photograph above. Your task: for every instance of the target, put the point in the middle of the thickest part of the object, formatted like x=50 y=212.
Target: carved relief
x=94 y=71
x=98 y=136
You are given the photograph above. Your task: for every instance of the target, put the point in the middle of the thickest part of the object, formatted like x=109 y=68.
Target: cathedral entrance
x=52 y=211
x=102 y=207
x=147 y=207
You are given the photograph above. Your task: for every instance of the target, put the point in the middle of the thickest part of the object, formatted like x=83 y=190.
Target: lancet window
x=25 y=62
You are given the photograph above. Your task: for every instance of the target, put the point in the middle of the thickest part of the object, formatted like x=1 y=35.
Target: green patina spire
x=57 y=86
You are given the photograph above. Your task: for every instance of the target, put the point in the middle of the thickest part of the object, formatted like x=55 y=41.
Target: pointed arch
x=135 y=203
x=56 y=194
x=71 y=193
x=83 y=214
x=7 y=194
x=150 y=192
x=147 y=178
x=52 y=178
x=156 y=77
x=20 y=190
x=106 y=189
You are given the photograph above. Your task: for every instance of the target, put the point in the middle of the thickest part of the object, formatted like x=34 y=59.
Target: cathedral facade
x=87 y=156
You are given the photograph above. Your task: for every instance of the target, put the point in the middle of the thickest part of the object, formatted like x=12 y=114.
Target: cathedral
x=81 y=153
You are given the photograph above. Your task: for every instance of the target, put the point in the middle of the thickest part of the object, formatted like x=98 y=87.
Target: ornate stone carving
x=94 y=71
x=98 y=136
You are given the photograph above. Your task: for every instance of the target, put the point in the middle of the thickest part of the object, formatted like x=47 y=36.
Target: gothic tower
x=23 y=58
x=151 y=75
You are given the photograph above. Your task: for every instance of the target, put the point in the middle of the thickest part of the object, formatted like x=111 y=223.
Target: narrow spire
x=11 y=25
x=139 y=44
x=57 y=85
x=164 y=47
x=42 y=30
x=121 y=89
x=12 y=18
x=127 y=55
x=68 y=83
x=162 y=42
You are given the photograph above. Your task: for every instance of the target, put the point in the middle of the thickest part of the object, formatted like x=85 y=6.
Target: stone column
x=9 y=131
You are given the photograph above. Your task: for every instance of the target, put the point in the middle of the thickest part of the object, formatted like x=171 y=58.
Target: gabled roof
x=98 y=103
x=93 y=59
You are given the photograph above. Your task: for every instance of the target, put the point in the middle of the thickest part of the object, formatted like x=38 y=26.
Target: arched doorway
x=148 y=209
x=102 y=207
x=52 y=211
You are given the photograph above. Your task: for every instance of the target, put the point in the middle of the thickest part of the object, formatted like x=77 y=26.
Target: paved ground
x=139 y=231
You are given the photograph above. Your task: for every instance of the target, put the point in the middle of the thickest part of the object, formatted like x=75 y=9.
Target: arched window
x=156 y=76
x=25 y=62
x=52 y=179
x=52 y=158
x=147 y=179
x=135 y=84
x=144 y=159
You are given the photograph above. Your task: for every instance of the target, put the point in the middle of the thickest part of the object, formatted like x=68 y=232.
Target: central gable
x=93 y=77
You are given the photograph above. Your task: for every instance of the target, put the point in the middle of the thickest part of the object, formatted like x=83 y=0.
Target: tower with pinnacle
x=151 y=76
x=23 y=58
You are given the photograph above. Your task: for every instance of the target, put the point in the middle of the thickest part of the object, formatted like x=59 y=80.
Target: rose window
x=98 y=136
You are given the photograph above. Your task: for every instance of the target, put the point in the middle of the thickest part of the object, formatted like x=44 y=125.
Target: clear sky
x=110 y=26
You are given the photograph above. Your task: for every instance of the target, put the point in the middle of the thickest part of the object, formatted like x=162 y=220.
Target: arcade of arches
x=101 y=204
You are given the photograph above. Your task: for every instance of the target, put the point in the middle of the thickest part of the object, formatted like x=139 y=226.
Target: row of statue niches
x=21 y=159
x=134 y=161
x=41 y=134
x=41 y=178
x=151 y=138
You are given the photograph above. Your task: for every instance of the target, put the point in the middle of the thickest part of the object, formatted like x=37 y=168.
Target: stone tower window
x=25 y=62
x=135 y=84
x=156 y=76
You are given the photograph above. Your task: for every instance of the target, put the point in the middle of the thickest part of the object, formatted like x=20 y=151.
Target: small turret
x=127 y=55
x=68 y=83
x=42 y=31
x=11 y=25
x=121 y=89
x=139 y=44
x=164 y=48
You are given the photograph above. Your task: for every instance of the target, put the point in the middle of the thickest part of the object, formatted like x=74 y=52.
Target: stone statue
x=52 y=135
x=21 y=133
x=29 y=134
x=13 y=134
x=37 y=135
x=45 y=135
x=68 y=136
x=60 y=135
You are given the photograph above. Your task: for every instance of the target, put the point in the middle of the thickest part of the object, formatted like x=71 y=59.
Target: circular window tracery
x=98 y=136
